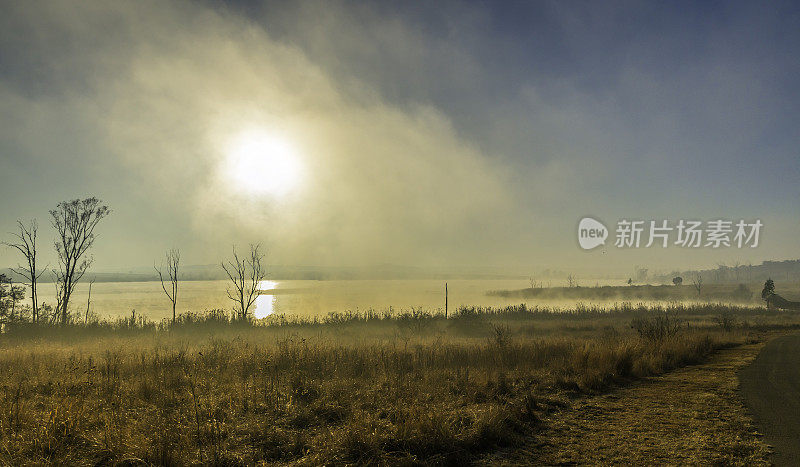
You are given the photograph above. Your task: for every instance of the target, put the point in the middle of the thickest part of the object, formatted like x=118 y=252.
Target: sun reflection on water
x=265 y=303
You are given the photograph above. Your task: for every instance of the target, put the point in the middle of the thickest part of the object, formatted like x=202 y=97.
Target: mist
x=450 y=138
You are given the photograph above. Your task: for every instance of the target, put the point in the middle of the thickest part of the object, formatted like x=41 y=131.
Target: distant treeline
x=788 y=270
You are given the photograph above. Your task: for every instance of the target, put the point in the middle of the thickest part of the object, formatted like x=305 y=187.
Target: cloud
x=385 y=183
x=461 y=134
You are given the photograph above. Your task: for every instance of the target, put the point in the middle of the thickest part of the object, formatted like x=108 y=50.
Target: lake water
x=291 y=297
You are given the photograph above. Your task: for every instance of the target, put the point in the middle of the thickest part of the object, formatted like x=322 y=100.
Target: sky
x=430 y=134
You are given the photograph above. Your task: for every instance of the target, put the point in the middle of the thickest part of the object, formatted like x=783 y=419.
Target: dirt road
x=770 y=387
x=690 y=416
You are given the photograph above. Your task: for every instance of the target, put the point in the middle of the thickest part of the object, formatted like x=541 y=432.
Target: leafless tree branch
x=25 y=243
x=74 y=222
x=245 y=275
x=173 y=260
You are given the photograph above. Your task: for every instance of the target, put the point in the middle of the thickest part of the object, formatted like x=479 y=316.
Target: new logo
x=591 y=233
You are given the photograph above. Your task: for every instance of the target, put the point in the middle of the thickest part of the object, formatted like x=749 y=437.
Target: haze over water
x=294 y=297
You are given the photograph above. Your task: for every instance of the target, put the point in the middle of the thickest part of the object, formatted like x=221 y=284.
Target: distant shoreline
x=734 y=292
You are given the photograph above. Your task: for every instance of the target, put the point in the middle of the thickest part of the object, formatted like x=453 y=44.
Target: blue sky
x=435 y=134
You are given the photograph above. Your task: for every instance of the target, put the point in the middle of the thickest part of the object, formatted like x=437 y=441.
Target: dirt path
x=689 y=416
x=771 y=389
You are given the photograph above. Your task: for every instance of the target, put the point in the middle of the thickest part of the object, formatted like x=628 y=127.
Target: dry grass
x=692 y=416
x=408 y=389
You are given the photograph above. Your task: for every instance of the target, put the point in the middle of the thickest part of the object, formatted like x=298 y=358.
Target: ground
x=628 y=385
x=689 y=416
x=770 y=387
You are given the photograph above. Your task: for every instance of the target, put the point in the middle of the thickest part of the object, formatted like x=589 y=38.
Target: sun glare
x=260 y=163
x=265 y=303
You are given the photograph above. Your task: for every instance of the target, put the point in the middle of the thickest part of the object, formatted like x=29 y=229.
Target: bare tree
x=572 y=281
x=15 y=297
x=88 y=302
x=697 y=282
x=25 y=243
x=173 y=258
x=74 y=222
x=721 y=273
x=736 y=266
x=245 y=274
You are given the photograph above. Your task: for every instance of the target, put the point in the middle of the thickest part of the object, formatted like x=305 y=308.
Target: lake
x=291 y=297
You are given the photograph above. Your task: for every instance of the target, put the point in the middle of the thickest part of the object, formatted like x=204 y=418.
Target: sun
x=260 y=163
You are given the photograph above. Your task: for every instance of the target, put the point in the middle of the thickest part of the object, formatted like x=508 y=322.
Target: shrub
x=726 y=321
x=658 y=327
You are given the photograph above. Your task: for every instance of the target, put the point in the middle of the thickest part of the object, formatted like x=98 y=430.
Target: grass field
x=392 y=388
